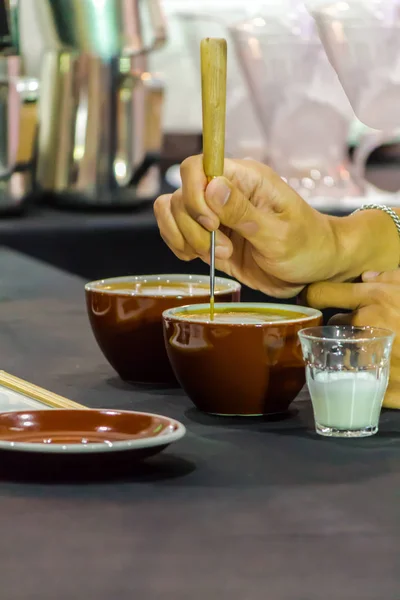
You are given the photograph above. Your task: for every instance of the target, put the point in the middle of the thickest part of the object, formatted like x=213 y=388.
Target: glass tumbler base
x=345 y=433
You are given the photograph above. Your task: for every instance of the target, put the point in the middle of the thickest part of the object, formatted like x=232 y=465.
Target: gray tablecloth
x=238 y=510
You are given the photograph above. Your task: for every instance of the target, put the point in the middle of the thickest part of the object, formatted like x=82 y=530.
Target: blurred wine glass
x=243 y=130
x=303 y=110
x=362 y=41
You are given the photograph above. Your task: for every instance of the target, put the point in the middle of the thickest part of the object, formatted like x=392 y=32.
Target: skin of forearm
x=365 y=241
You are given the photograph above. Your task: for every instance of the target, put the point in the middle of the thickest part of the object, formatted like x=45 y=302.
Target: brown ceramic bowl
x=126 y=317
x=248 y=367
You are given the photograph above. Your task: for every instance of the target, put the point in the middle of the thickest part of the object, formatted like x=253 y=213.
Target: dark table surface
x=238 y=510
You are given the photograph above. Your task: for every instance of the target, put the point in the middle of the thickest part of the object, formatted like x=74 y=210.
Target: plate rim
x=166 y=438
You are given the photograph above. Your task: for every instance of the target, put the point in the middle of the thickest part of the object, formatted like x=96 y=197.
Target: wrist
x=364 y=241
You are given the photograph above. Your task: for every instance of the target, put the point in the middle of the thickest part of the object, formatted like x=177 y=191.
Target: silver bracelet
x=395 y=218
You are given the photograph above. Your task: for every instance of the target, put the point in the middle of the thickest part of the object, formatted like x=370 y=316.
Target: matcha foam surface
x=241 y=317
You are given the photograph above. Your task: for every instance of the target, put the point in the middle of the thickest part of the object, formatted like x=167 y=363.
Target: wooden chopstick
x=37 y=393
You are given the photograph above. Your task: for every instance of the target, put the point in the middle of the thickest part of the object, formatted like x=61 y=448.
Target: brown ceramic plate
x=87 y=431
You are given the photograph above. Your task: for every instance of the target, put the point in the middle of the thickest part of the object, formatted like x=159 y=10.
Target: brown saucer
x=87 y=432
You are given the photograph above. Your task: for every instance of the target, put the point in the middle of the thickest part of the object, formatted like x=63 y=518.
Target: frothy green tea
x=241 y=316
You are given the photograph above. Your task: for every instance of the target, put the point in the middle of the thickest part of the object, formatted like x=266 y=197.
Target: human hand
x=376 y=303
x=268 y=237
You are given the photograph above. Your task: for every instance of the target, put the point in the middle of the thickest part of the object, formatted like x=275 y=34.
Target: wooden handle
x=213 y=53
x=37 y=393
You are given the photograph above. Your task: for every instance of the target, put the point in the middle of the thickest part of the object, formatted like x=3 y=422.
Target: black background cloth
x=238 y=510
x=97 y=245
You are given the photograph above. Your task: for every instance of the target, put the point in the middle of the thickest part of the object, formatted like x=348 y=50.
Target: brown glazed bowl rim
x=96 y=286
x=308 y=313
x=172 y=430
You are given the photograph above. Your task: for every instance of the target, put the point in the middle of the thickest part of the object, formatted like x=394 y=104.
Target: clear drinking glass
x=347 y=373
x=362 y=41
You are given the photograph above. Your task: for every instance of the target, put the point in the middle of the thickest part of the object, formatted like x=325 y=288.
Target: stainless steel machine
x=98 y=126
x=99 y=136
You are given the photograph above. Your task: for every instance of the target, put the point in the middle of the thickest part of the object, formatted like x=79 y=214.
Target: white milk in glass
x=347 y=400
